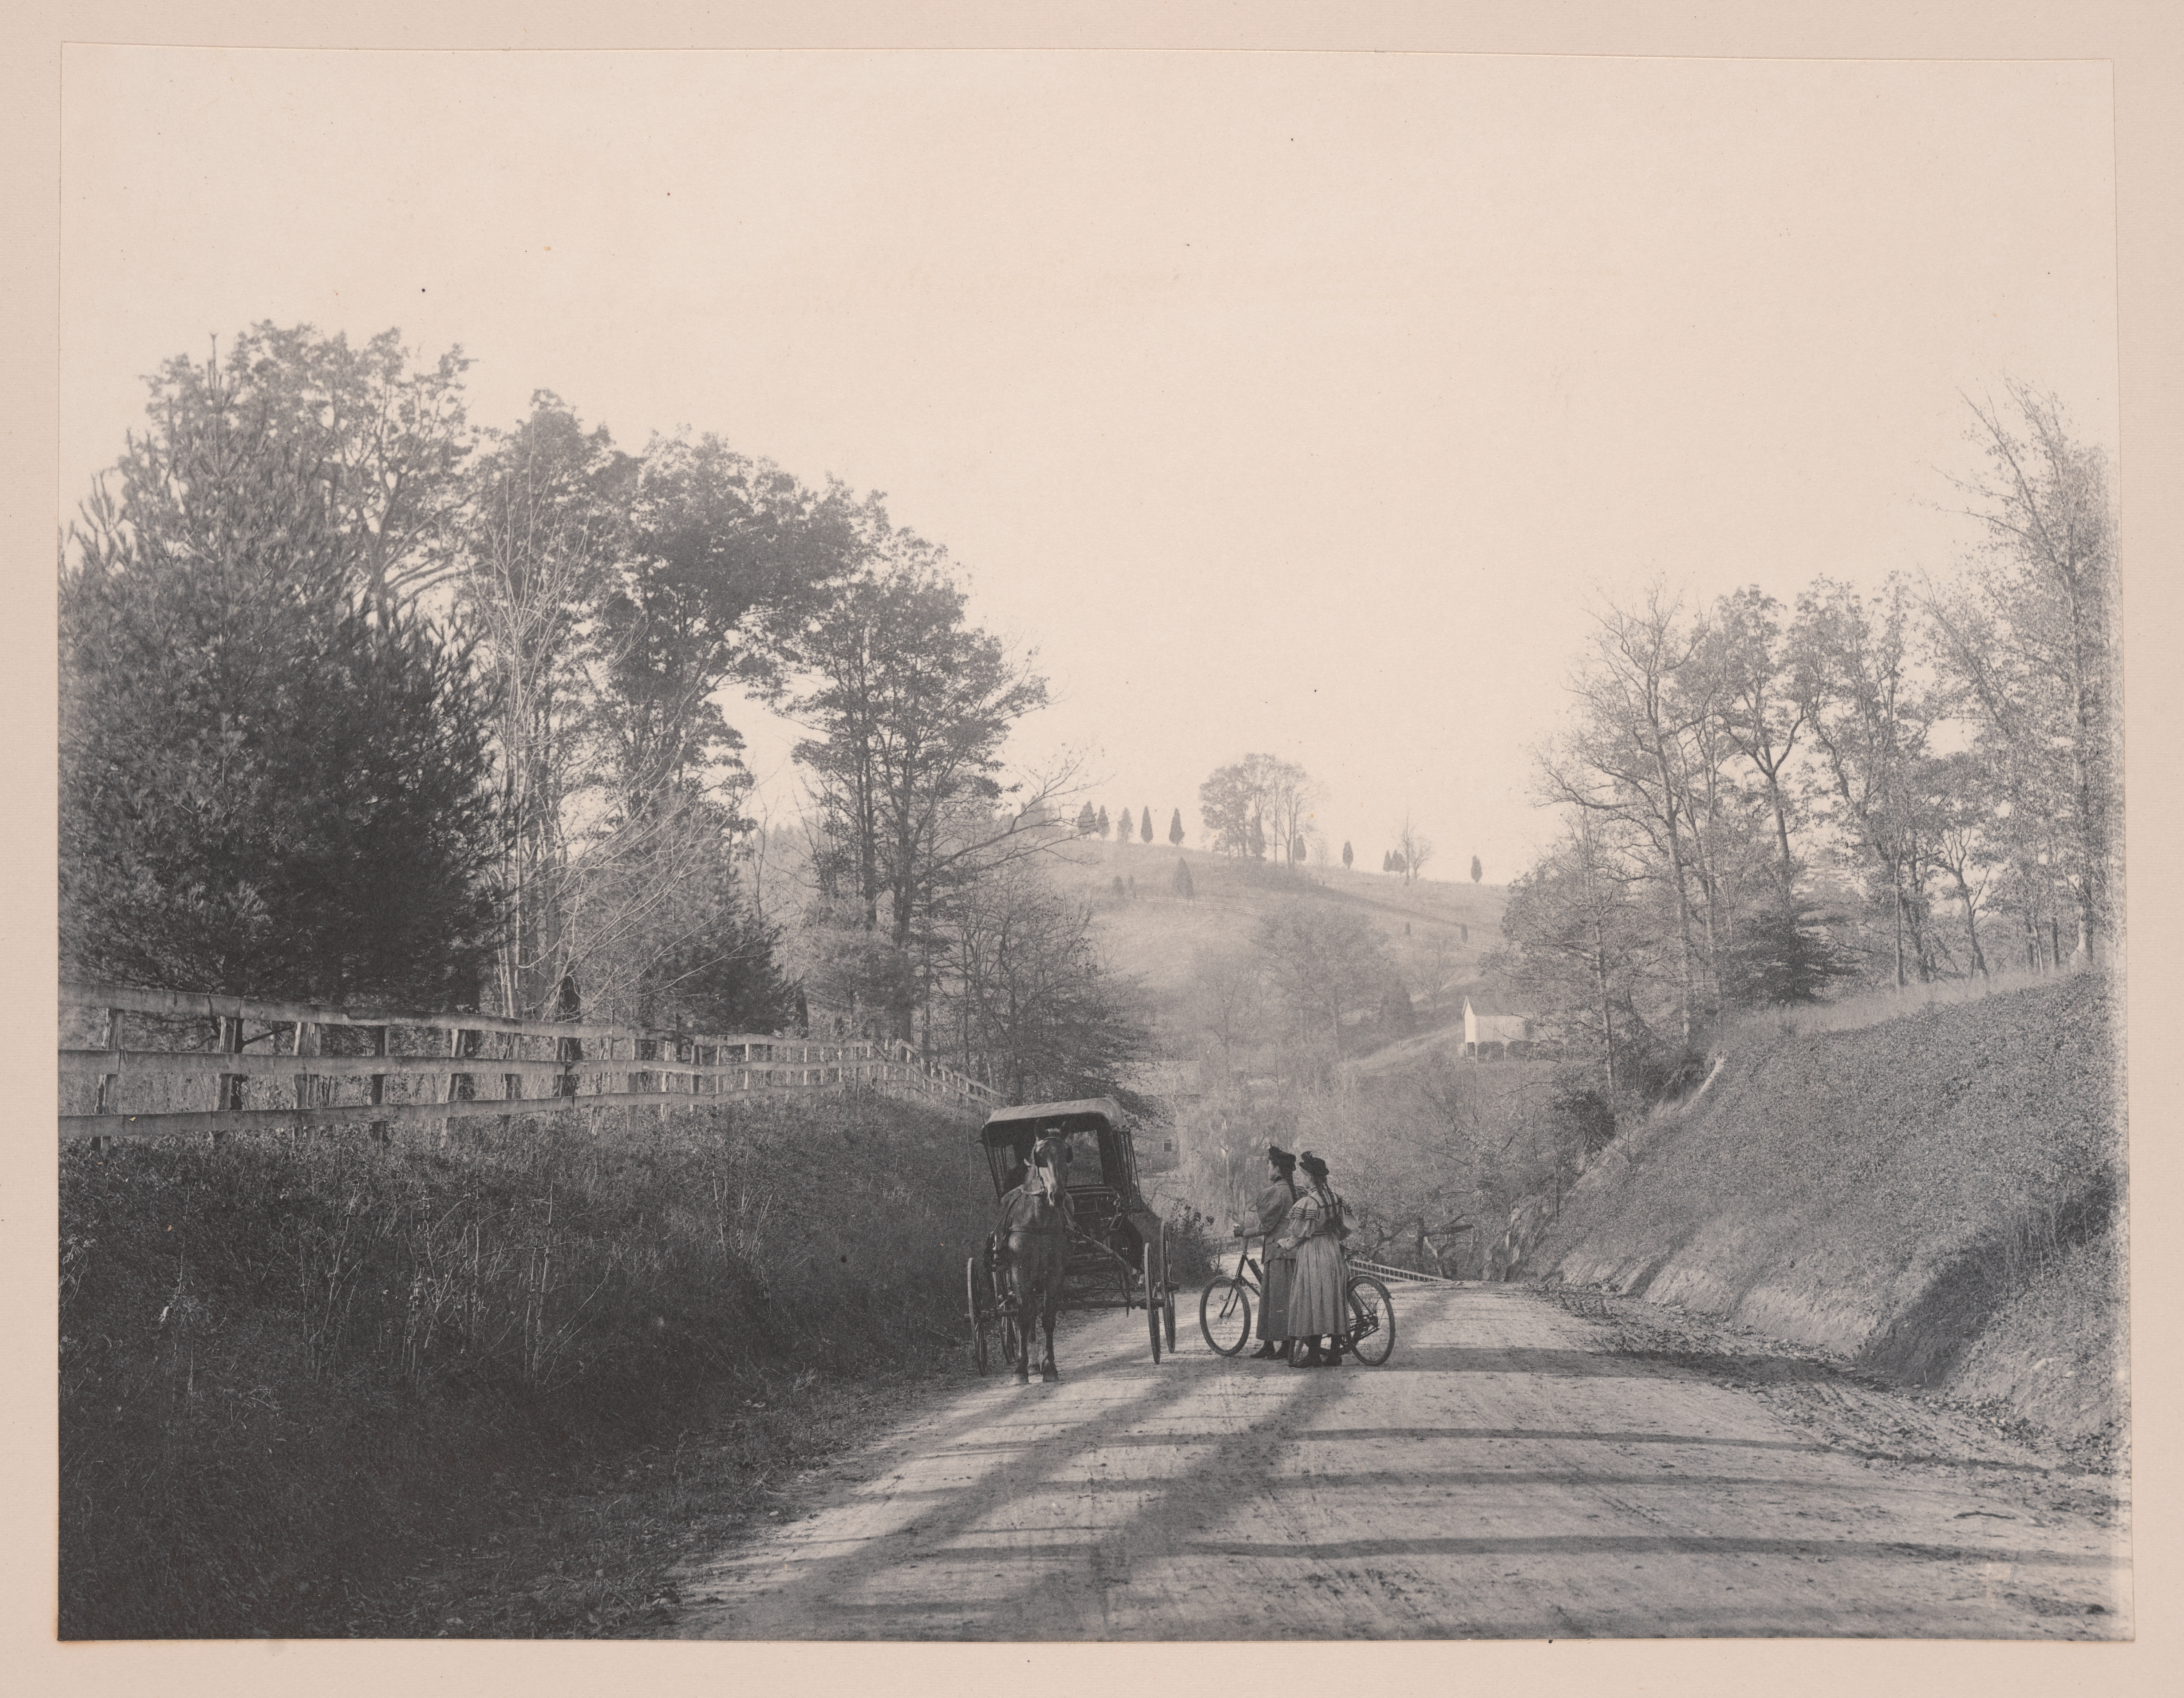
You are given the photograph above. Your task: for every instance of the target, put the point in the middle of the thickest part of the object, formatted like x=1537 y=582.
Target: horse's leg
x=1057 y=1268
x=1020 y=1291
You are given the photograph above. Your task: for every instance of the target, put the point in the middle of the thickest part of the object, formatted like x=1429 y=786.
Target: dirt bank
x=1934 y=1197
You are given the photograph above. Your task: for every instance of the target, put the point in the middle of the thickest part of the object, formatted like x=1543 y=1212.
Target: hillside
x=1153 y=935
x=296 y=1374
x=1937 y=1198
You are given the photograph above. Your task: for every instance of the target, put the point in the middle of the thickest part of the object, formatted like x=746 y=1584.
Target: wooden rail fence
x=250 y=1065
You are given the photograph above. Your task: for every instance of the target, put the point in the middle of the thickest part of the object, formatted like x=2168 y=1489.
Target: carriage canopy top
x=1083 y=1115
x=1009 y=1135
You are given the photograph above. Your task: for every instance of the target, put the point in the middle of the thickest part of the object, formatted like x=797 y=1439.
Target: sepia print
x=811 y=804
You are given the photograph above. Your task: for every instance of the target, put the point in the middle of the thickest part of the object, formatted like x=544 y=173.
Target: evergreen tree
x=1146 y=822
x=1104 y=827
x=1255 y=840
x=1124 y=831
x=1175 y=827
x=1087 y=822
x=1781 y=954
x=1184 y=887
x=1347 y=854
x=1478 y=871
x=273 y=771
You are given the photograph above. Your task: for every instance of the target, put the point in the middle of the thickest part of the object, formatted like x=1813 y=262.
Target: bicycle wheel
x=1225 y=1316
x=980 y=1310
x=1372 y=1320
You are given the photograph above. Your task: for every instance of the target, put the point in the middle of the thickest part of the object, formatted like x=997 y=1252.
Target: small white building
x=1489 y=1019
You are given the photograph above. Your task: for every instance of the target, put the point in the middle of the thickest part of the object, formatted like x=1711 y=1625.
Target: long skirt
x=1315 y=1294
x=1275 y=1303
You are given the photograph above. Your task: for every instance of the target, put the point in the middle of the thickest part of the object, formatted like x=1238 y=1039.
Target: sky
x=1286 y=401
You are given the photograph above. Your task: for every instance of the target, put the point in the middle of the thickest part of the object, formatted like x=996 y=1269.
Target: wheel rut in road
x=1507 y=1473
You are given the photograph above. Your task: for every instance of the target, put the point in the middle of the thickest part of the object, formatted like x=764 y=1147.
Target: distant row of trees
x=362 y=703
x=1093 y=823
x=1890 y=785
x=1262 y=799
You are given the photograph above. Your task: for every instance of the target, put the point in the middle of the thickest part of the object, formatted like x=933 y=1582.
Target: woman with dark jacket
x=1272 y=1207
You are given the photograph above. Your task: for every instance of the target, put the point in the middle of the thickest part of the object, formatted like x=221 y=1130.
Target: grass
x=1867 y=1008
x=1887 y=1187
x=295 y=1375
x=1156 y=935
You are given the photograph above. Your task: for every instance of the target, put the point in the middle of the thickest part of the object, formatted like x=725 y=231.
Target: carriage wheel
x=978 y=1289
x=1372 y=1320
x=1152 y=1299
x=1167 y=1293
x=1225 y=1316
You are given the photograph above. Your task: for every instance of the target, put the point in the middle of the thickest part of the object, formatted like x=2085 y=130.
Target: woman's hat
x=1280 y=1157
x=1312 y=1165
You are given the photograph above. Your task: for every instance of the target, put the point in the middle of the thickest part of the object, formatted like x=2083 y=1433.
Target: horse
x=1035 y=1228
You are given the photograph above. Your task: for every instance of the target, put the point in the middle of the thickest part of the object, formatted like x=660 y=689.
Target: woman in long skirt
x=1314 y=1233
x=1273 y=1208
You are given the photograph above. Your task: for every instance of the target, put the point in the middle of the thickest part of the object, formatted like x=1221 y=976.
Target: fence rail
x=336 y=1067
x=1408 y=1275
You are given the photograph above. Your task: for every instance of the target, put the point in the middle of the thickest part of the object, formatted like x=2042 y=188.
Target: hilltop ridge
x=1153 y=935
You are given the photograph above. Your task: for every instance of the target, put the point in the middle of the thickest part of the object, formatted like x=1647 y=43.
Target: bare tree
x=1958 y=799
x=1227 y=995
x=537 y=533
x=2030 y=634
x=1326 y=962
x=1415 y=848
x=1257 y=800
x=1760 y=706
x=1624 y=757
x=1870 y=720
x=1039 y=1008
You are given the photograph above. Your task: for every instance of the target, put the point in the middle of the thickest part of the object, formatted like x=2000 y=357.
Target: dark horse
x=1035 y=1231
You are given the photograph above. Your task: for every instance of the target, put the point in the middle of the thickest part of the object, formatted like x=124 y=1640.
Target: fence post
x=453 y=1079
x=306 y=1043
x=379 y=1127
x=109 y=1084
x=231 y=1084
x=511 y=1084
x=569 y=1051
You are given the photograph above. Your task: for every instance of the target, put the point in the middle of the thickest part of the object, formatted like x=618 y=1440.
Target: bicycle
x=1225 y=1310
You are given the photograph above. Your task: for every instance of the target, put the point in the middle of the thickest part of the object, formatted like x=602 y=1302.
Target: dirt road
x=1510 y=1472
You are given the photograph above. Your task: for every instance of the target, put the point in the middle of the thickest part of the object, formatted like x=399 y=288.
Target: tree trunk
x=1896 y=892
x=1668 y=809
x=1971 y=923
x=1781 y=829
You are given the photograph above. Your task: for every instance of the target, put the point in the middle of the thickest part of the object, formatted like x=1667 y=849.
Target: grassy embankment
x=1157 y=937
x=1936 y=1196
x=298 y=1381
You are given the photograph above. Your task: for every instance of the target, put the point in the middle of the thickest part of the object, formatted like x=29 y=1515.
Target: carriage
x=1117 y=1245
